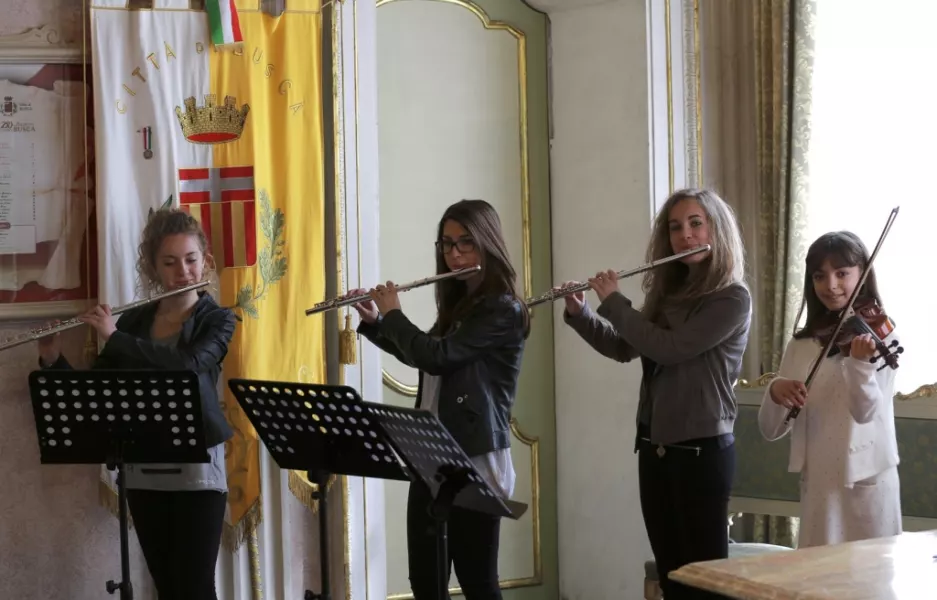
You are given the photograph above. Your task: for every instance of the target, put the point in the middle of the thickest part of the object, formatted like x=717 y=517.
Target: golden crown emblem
x=212 y=124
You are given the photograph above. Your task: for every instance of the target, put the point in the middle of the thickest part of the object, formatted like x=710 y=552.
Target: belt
x=662 y=448
x=696 y=446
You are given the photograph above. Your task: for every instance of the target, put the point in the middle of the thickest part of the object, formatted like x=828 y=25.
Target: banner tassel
x=347 y=352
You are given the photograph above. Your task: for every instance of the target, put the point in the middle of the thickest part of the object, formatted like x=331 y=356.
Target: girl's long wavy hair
x=842 y=249
x=160 y=225
x=453 y=301
x=671 y=283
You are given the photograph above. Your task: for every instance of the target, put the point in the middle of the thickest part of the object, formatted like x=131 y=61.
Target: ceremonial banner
x=235 y=138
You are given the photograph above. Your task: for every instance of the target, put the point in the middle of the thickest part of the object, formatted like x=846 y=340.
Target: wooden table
x=902 y=567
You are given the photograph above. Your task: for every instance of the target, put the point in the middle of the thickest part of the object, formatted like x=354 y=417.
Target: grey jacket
x=690 y=364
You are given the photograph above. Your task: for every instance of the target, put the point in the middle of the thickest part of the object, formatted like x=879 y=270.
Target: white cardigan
x=872 y=443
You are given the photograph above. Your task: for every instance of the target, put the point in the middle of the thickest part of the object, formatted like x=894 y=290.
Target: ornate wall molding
x=390 y=381
x=676 y=98
x=37 y=45
x=692 y=105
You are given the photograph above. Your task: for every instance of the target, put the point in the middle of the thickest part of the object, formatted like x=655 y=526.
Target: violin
x=868 y=318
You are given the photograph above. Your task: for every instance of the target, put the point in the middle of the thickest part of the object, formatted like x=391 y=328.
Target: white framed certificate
x=47 y=258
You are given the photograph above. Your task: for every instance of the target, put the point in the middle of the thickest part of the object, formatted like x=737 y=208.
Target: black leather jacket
x=478 y=361
x=203 y=344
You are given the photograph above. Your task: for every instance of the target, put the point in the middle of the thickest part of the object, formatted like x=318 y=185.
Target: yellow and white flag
x=235 y=138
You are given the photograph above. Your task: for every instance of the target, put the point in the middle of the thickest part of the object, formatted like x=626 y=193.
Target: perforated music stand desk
x=322 y=430
x=114 y=418
x=328 y=429
x=433 y=455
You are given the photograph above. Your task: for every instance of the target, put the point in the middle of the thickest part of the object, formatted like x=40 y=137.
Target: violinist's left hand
x=862 y=347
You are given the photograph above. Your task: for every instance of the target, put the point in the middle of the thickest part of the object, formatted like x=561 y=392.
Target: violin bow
x=845 y=313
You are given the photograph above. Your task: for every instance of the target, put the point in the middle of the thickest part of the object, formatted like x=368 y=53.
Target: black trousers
x=685 y=502
x=473 y=549
x=179 y=533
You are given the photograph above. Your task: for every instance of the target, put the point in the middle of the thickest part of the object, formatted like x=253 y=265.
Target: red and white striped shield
x=223 y=200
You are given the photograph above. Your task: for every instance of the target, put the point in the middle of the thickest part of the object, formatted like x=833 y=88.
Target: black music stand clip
x=328 y=429
x=115 y=418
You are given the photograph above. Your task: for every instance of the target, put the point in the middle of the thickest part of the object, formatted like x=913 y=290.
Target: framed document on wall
x=48 y=259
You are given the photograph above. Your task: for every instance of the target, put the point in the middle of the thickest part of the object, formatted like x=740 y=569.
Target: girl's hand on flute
x=367 y=310
x=101 y=319
x=575 y=303
x=604 y=283
x=50 y=346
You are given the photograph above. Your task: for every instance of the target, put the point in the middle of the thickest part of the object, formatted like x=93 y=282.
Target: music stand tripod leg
x=113 y=417
x=453 y=480
x=321 y=478
x=116 y=462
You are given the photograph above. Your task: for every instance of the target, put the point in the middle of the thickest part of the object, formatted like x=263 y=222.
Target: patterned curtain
x=783 y=43
x=784 y=53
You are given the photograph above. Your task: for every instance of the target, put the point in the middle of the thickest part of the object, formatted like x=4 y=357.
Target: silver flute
x=41 y=332
x=338 y=303
x=581 y=287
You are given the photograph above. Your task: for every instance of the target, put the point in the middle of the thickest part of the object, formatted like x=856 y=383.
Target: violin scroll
x=890 y=357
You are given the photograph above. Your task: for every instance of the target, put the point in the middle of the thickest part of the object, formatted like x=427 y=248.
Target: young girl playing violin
x=843 y=441
x=177 y=509
x=690 y=335
x=468 y=365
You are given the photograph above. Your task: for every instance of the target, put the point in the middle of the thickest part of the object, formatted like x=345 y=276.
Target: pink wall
x=62 y=15
x=55 y=539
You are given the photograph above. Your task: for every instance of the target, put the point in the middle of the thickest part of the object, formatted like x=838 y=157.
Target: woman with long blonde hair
x=690 y=336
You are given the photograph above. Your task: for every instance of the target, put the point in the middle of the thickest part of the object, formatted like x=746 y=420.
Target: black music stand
x=114 y=418
x=322 y=430
x=328 y=429
x=434 y=457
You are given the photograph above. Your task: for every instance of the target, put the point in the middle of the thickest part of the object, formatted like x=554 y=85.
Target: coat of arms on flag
x=222 y=199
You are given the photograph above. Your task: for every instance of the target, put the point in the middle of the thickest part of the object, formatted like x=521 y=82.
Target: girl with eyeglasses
x=468 y=363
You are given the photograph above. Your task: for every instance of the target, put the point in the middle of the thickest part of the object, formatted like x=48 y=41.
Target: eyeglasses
x=464 y=245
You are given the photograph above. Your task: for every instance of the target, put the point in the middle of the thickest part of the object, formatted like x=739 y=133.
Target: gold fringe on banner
x=304 y=489
x=253 y=550
x=232 y=536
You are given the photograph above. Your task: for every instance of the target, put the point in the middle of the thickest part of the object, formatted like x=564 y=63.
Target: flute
x=41 y=332
x=337 y=303
x=581 y=287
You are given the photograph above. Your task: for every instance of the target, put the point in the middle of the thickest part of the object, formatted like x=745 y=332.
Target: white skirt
x=834 y=514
